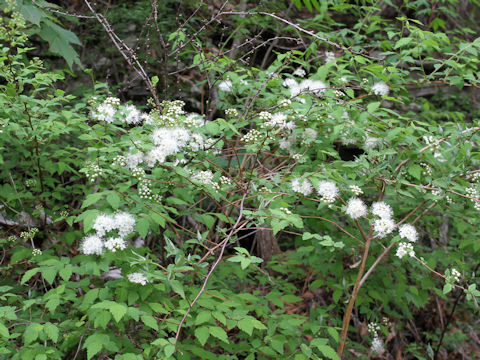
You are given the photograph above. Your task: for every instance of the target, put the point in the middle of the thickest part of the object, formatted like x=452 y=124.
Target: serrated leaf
x=415 y=170
x=32 y=13
x=66 y=273
x=118 y=311
x=91 y=199
x=93 y=349
x=203 y=317
x=102 y=319
x=158 y=219
x=246 y=326
x=31 y=333
x=49 y=274
x=306 y=350
x=113 y=200
x=51 y=331
x=177 y=287
x=169 y=350
x=28 y=275
x=328 y=352
x=220 y=317
x=4 y=331
x=150 y=322
x=219 y=333
x=202 y=334
x=402 y=42
x=143 y=225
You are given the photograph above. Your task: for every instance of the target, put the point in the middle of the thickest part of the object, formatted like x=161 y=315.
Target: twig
x=202 y=289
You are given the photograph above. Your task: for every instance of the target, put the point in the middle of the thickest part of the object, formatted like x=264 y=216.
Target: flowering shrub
x=154 y=262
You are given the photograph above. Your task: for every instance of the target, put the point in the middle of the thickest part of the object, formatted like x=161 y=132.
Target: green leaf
x=93 y=349
x=51 y=331
x=150 y=322
x=246 y=326
x=118 y=311
x=31 y=333
x=203 y=317
x=202 y=334
x=169 y=350
x=32 y=14
x=113 y=200
x=219 y=333
x=143 y=225
x=4 y=331
x=92 y=199
x=28 y=275
x=49 y=274
x=415 y=170
x=177 y=287
x=160 y=220
x=306 y=350
x=102 y=319
x=402 y=42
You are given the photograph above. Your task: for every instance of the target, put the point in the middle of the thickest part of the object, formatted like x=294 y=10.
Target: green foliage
x=133 y=225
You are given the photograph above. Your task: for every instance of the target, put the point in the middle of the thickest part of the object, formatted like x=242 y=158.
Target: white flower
x=125 y=223
x=133 y=159
x=455 y=275
x=371 y=142
x=114 y=244
x=104 y=112
x=132 y=115
x=92 y=244
x=330 y=57
x=380 y=88
x=356 y=190
x=226 y=85
x=310 y=134
x=408 y=232
x=383 y=226
x=137 y=278
x=377 y=345
x=356 y=208
x=382 y=210
x=405 y=248
x=328 y=191
x=289 y=82
x=316 y=87
x=304 y=187
x=299 y=72
x=103 y=224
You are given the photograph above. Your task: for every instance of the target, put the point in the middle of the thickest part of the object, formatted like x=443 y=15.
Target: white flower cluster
x=122 y=222
x=370 y=143
x=380 y=88
x=356 y=208
x=307 y=86
x=285 y=103
x=231 y=113
x=169 y=141
x=110 y=107
x=299 y=72
x=330 y=57
x=385 y=225
x=405 y=248
x=472 y=193
x=377 y=346
x=328 y=191
x=285 y=210
x=206 y=178
x=252 y=136
x=455 y=275
x=427 y=169
x=93 y=171
x=225 y=85
x=279 y=120
x=407 y=231
x=303 y=187
x=373 y=329
x=356 y=190
x=137 y=278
